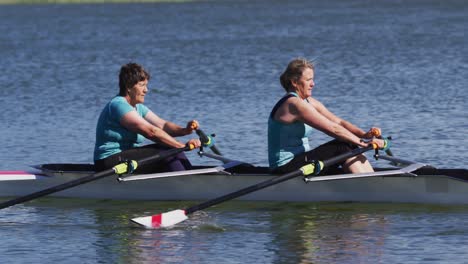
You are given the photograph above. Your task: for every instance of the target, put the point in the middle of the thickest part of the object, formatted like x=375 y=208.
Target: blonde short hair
x=294 y=72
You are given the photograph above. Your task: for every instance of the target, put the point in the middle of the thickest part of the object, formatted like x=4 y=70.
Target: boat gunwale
x=247 y=170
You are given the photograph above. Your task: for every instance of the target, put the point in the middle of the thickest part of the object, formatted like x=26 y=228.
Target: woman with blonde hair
x=297 y=114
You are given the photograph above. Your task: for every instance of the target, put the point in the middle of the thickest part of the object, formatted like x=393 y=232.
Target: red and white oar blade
x=161 y=220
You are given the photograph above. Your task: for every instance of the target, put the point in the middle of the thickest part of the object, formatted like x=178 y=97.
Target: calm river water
x=399 y=65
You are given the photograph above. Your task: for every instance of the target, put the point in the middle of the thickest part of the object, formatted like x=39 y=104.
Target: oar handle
x=378 y=134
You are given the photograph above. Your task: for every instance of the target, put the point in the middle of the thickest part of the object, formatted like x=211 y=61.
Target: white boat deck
x=20 y=176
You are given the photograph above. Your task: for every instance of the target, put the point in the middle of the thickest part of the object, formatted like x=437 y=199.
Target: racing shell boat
x=409 y=182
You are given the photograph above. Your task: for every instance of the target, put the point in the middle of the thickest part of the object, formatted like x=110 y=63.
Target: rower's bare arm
x=311 y=116
x=176 y=130
x=154 y=119
x=169 y=127
x=331 y=116
x=134 y=122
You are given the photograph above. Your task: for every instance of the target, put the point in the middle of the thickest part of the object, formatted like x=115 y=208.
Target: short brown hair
x=294 y=72
x=130 y=74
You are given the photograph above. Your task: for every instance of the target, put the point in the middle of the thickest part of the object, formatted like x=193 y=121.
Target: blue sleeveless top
x=286 y=140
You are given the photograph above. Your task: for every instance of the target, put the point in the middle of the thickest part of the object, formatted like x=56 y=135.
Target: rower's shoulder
x=309 y=101
x=294 y=100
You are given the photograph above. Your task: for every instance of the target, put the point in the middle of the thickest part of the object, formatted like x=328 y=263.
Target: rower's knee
x=358 y=164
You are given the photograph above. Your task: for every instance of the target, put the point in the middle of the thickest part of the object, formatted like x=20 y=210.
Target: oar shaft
x=86 y=179
x=242 y=192
x=345 y=156
x=57 y=188
x=272 y=181
x=163 y=155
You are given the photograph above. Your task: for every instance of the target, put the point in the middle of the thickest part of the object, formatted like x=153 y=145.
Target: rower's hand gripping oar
x=378 y=134
x=177 y=216
x=122 y=168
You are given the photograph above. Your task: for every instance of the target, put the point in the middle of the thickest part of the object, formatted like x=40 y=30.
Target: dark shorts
x=323 y=152
x=174 y=163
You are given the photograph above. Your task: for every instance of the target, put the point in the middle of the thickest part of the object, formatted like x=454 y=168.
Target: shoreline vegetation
x=12 y=2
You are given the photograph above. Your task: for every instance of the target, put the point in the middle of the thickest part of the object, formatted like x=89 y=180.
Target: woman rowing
x=296 y=114
x=125 y=121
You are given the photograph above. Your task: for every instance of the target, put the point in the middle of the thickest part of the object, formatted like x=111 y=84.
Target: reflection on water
x=314 y=236
x=95 y=231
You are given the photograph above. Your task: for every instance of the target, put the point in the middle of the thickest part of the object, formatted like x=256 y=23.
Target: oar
x=121 y=168
x=207 y=141
x=177 y=216
x=378 y=134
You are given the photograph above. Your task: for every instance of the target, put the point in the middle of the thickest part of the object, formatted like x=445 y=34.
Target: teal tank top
x=111 y=136
x=285 y=141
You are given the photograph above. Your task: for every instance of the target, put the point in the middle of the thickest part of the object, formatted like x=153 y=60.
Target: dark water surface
x=399 y=65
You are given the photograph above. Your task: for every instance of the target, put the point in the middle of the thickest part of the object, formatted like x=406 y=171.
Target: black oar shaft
x=242 y=192
x=345 y=156
x=57 y=188
x=163 y=155
x=272 y=181
x=86 y=179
